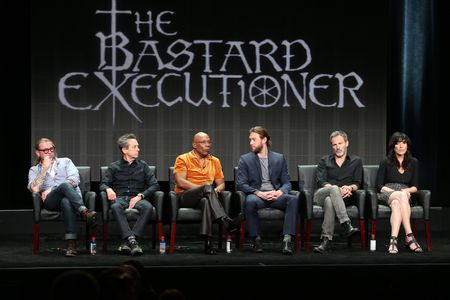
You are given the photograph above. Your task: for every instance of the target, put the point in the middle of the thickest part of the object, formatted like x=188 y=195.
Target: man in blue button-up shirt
x=57 y=179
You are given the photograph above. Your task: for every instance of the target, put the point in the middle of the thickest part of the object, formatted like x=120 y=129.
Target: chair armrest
x=157 y=200
x=174 y=205
x=308 y=196
x=89 y=199
x=372 y=197
x=225 y=199
x=423 y=198
x=360 y=201
x=241 y=198
x=36 y=206
x=294 y=193
x=105 y=207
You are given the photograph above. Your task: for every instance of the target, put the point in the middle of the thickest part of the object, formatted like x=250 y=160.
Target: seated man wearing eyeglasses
x=57 y=179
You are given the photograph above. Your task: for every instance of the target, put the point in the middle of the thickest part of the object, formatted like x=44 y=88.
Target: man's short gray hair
x=122 y=141
x=338 y=132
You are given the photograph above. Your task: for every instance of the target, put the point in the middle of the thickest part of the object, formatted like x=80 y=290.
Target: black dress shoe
x=324 y=247
x=209 y=247
x=288 y=248
x=232 y=224
x=349 y=230
x=257 y=246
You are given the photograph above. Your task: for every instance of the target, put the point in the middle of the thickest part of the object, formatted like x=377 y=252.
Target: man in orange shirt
x=199 y=179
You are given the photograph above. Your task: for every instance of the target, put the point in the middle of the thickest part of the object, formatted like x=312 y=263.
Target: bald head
x=201 y=144
x=200 y=136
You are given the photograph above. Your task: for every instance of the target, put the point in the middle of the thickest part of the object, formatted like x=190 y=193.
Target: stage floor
x=233 y=275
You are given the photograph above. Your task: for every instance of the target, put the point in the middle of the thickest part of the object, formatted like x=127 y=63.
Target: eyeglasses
x=48 y=150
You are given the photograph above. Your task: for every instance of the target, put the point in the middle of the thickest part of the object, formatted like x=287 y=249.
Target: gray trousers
x=206 y=199
x=333 y=205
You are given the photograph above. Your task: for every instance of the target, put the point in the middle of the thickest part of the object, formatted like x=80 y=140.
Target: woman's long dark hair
x=392 y=158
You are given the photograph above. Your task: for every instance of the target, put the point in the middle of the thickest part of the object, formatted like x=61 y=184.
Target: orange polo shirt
x=195 y=173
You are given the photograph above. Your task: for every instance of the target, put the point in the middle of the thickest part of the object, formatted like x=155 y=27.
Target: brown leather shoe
x=71 y=250
x=90 y=216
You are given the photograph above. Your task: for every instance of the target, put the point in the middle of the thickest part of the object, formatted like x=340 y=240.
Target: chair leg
x=428 y=235
x=160 y=230
x=373 y=228
x=36 y=238
x=414 y=227
x=160 y=233
x=242 y=235
x=302 y=232
x=173 y=229
x=220 y=235
x=362 y=231
x=308 y=235
x=154 y=225
x=297 y=242
x=105 y=237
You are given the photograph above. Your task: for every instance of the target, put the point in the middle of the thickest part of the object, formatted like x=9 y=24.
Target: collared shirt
x=350 y=172
x=197 y=173
x=62 y=169
x=130 y=179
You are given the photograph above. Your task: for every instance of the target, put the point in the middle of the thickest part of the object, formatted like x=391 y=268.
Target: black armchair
x=420 y=205
x=132 y=214
x=265 y=214
x=42 y=215
x=190 y=215
x=307 y=185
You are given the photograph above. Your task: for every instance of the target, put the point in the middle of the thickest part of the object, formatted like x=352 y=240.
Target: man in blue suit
x=263 y=176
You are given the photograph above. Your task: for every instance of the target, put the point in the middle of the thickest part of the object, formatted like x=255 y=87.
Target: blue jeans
x=287 y=203
x=65 y=198
x=145 y=209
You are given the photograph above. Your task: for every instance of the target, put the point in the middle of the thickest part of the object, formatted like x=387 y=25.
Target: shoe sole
x=352 y=233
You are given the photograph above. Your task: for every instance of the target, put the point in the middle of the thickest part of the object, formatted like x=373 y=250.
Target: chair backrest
x=307 y=177
x=370 y=177
x=235 y=177
x=171 y=179
x=85 y=178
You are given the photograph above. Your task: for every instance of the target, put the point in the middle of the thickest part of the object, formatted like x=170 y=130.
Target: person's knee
x=144 y=205
x=251 y=201
x=335 y=190
x=395 y=203
x=116 y=206
x=65 y=186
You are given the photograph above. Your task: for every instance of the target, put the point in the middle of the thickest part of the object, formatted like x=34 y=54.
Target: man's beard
x=340 y=154
x=257 y=149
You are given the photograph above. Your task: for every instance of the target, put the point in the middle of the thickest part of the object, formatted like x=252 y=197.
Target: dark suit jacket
x=249 y=173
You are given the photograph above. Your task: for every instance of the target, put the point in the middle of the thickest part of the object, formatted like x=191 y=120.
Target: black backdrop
x=428 y=127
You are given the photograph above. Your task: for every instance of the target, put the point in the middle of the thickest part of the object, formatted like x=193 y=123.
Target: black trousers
x=205 y=198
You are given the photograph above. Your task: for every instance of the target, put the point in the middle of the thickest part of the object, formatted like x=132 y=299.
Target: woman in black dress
x=397 y=179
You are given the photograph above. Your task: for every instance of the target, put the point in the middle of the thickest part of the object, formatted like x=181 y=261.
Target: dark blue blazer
x=249 y=173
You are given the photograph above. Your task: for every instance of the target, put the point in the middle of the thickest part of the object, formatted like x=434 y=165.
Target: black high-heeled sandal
x=392 y=247
x=413 y=240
